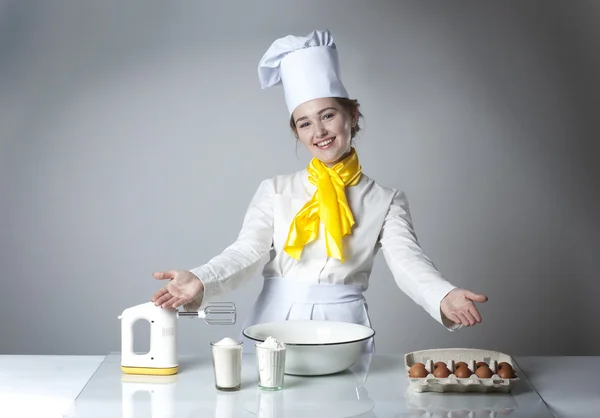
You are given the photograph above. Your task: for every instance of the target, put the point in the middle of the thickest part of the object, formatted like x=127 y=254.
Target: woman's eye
x=303 y=125
x=328 y=116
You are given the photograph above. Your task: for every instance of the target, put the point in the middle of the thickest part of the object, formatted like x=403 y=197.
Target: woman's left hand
x=458 y=306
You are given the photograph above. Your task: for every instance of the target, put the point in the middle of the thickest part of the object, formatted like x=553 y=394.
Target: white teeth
x=324 y=143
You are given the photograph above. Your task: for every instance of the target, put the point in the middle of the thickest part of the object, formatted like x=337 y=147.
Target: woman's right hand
x=183 y=288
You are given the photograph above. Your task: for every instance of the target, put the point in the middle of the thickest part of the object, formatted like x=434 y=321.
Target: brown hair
x=350 y=106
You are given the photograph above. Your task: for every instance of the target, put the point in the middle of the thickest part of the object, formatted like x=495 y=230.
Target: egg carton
x=450 y=356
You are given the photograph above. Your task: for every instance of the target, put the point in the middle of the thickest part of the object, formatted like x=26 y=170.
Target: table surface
x=90 y=386
x=43 y=386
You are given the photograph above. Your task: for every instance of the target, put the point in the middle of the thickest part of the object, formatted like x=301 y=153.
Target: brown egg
x=506 y=373
x=460 y=364
x=480 y=364
x=439 y=364
x=504 y=364
x=417 y=370
x=441 y=371
x=484 y=372
x=462 y=372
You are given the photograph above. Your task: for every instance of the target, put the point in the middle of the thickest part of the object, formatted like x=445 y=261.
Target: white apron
x=289 y=300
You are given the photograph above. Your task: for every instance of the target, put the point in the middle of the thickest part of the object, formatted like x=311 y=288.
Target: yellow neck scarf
x=328 y=204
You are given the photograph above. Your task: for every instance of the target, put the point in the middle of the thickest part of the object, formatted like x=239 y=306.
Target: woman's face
x=324 y=127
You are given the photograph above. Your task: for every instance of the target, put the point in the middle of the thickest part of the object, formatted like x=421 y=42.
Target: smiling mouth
x=326 y=143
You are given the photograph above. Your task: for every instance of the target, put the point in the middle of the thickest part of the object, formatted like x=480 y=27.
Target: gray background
x=135 y=133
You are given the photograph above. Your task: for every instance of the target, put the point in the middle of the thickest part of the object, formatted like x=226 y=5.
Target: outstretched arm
x=230 y=269
x=416 y=274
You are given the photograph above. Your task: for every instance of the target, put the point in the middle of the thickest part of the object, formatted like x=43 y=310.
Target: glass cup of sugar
x=270 y=358
x=227 y=363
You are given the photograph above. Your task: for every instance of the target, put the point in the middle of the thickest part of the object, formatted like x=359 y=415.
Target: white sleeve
x=238 y=262
x=413 y=271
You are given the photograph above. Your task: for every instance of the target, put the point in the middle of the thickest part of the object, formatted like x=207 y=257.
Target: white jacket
x=382 y=221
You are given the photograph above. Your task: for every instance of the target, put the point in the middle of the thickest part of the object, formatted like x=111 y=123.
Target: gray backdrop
x=135 y=133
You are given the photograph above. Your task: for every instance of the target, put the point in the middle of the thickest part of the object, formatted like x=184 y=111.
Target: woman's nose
x=321 y=131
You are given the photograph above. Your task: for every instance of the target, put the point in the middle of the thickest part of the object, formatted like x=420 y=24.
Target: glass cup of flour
x=227 y=363
x=270 y=357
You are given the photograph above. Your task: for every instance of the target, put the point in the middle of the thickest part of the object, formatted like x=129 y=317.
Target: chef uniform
x=306 y=280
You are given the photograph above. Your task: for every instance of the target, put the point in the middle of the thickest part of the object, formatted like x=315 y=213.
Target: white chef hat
x=307 y=66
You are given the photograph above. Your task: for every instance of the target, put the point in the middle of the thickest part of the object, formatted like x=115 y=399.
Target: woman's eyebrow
x=318 y=113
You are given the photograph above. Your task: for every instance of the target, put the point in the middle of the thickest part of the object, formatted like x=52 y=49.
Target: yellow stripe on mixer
x=156 y=371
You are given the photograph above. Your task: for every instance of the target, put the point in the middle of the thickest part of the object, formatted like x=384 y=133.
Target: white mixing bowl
x=315 y=347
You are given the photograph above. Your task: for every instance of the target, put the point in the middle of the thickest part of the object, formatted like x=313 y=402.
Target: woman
x=316 y=232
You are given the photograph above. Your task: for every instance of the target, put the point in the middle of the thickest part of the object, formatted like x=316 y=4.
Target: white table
x=570 y=386
x=376 y=388
x=46 y=386
x=43 y=386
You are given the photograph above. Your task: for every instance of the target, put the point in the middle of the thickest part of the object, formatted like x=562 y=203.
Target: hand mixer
x=161 y=359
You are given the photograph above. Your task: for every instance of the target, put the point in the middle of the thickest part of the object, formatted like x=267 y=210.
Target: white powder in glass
x=273 y=344
x=227 y=362
x=271 y=362
x=227 y=341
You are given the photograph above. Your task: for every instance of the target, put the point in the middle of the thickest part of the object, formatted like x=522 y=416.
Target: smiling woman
x=327 y=126
x=320 y=228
